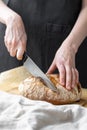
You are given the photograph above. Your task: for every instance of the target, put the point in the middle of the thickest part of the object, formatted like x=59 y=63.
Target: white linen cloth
x=19 y=113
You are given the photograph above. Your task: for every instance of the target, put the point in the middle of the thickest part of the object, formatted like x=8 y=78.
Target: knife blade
x=36 y=71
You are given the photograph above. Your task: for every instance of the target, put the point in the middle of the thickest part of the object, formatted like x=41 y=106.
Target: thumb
x=51 y=68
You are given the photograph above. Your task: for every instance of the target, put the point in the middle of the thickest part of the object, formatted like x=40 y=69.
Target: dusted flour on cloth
x=20 y=113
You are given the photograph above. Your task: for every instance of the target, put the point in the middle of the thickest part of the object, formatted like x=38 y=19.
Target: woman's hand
x=15 y=36
x=64 y=61
x=65 y=57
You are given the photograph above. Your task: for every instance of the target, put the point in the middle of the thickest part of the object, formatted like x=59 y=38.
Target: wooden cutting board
x=10 y=80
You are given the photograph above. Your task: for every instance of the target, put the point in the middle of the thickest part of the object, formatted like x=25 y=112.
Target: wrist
x=12 y=17
x=6 y=15
x=72 y=42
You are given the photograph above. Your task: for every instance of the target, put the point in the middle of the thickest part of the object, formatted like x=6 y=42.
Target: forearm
x=79 y=31
x=6 y=14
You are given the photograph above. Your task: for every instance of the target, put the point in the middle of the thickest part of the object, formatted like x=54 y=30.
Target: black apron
x=47 y=24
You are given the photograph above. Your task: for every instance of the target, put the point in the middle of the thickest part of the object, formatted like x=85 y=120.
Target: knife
x=36 y=71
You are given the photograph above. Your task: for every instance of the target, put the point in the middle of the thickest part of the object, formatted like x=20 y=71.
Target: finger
x=5 y=40
x=73 y=78
x=13 y=48
x=77 y=76
x=62 y=73
x=68 y=78
x=13 y=52
x=19 y=54
x=8 y=39
x=51 y=68
x=8 y=44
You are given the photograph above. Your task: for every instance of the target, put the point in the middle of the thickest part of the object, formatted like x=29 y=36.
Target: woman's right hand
x=15 y=36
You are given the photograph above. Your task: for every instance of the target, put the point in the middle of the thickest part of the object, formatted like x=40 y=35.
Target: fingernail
x=62 y=82
x=73 y=86
x=68 y=87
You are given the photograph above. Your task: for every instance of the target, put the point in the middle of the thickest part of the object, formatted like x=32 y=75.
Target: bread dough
x=35 y=88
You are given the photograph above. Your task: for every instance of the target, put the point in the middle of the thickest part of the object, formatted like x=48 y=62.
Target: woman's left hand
x=64 y=61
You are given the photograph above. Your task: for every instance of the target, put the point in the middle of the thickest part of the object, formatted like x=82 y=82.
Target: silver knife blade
x=36 y=71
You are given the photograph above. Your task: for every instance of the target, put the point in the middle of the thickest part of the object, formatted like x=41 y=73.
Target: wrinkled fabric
x=19 y=113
